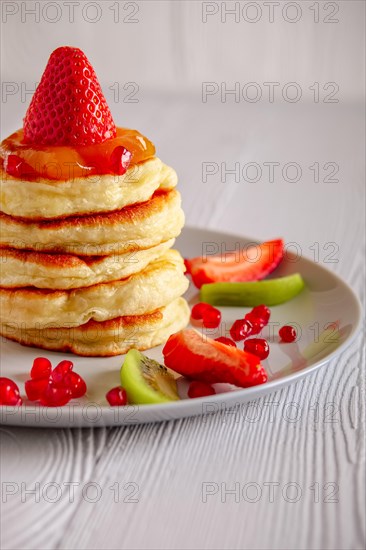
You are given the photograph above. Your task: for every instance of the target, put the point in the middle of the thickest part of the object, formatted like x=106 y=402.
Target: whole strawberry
x=68 y=107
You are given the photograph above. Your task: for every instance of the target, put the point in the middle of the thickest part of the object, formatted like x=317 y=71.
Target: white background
x=166 y=46
x=168 y=53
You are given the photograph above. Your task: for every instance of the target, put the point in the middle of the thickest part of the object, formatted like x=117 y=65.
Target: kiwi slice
x=270 y=292
x=146 y=381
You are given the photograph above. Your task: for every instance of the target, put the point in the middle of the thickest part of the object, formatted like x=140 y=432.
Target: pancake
x=23 y=268
x=107 y=338
x=136 y=227
x=158 y=284
x=101 y=193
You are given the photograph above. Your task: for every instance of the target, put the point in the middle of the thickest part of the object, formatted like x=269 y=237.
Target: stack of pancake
x=87 y=265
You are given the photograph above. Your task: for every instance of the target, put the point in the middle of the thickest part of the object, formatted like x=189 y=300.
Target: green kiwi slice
x=146 y=381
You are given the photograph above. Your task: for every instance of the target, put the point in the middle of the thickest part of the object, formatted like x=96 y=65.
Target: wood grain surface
x=284 y=472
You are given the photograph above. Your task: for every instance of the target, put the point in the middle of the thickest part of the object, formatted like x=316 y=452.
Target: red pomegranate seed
x=226 y=341
x=58 y=374
x=41 y=368
x=261 y=312
x=200 y=389
x=258 y=347
x=120 y=160
x=256 y=322
x=117 y=397
x=55 y=396
x=76 y=384
x=211 y=318
x=241 y=329
x=17 y=167
x=199 y=310
x=36 y=388
x=287 y=333
x=9 y=392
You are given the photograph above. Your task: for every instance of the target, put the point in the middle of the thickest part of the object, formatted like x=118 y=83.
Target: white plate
x=327 y=299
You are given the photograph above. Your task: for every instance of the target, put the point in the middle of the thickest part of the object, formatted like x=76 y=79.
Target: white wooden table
x=296 y=485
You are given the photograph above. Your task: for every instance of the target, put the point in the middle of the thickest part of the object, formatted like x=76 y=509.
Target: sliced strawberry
x=206 y=360
x=68 y=106
x=255 y=263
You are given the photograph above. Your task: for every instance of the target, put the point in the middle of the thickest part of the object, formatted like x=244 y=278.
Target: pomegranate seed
x=41 y=368
x=36 y=388
x=58 y=374
x=261 y=312
x=211 y=318
x=18 y=168
x=55 y=396
x=76 y=384
x=258 y=347
x=241 y=329
x=117 y=397
x=256 y=322
x=226 y=341
x=287 y=333
x=200 y=389
x=120 y=160
x=199 y=310
x=9 y=392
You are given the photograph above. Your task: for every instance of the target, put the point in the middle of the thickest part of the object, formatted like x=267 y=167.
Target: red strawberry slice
x=254 y=264
x=210 y=361
x=68 y=107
